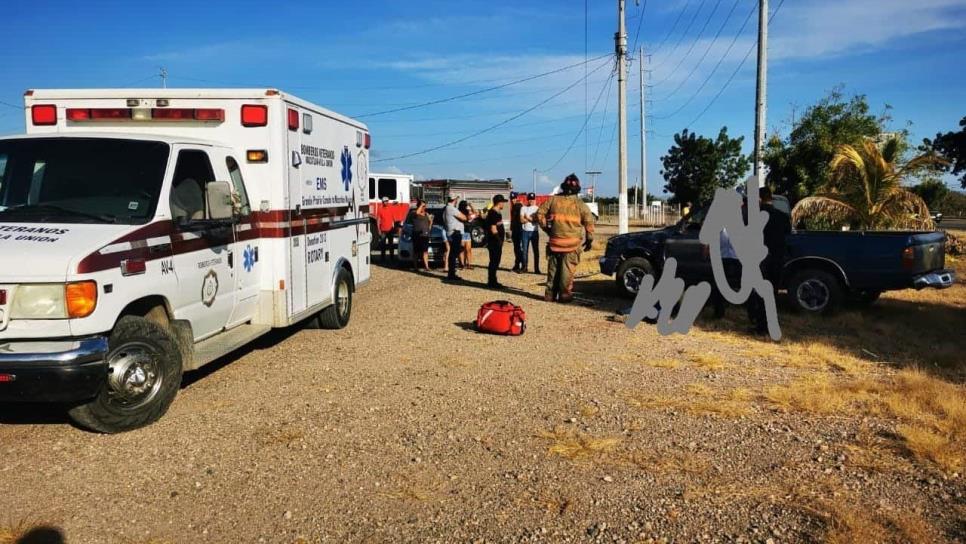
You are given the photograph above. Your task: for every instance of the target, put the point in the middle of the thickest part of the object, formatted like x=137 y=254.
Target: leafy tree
x=695 y=166
x=952 y=147
x=798 y=164
x=954 y=205
x=865 y=190
x=932 y=191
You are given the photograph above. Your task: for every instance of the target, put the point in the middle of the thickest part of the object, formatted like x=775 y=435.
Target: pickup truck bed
x=822 y=269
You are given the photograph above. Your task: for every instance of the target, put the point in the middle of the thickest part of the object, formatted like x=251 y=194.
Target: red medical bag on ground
x=501 y=317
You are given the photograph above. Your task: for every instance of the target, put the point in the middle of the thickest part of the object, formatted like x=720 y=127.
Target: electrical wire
x=694 y=17
x=693 y=43
x=674 y=26
x=713 y=71
x=11 y=105
x=737 y=69
x=583 y=127
x=480 y=91
x=600 y=133
x=497 y=125
x=707 y=50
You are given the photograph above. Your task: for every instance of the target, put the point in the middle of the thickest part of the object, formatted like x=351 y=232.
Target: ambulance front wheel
x=144 y=375
x=337 y=315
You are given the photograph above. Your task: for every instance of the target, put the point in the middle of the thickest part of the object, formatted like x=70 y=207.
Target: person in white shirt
x=530 y=234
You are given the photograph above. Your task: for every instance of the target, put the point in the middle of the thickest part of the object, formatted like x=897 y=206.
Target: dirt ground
x=408 y=426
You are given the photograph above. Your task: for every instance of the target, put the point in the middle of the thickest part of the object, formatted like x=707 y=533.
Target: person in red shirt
x=387 y=228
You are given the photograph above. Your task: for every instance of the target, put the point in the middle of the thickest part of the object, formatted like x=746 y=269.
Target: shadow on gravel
x=33 y=414
x=270 y=340
x=41 y=535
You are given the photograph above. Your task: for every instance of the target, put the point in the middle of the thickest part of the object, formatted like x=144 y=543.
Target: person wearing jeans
x=529 y=235
x=453 y=221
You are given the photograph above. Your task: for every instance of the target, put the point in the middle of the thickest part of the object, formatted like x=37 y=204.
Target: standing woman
x=422 y=225
x=466 y=257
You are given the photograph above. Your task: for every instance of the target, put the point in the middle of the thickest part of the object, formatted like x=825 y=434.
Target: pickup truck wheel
x=337 y=316
x=815 y=292
x=143 y=378
x=631 y=273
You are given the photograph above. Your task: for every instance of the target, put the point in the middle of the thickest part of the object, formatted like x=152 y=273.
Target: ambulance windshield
x=80 y=180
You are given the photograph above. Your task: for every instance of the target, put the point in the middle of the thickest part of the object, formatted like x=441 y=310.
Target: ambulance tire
x=337 y=315
x=148 y=354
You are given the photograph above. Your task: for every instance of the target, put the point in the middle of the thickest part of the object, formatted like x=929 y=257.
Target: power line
x=707 y=50
x=693 y=43
x=674 y=26
x=600 y=133
x=480 y=91
x=497 y=125
x=737 y=69
x=11 y=105
x=583 y=127
x=640 y=21
x=713 y=71
x=694 y=17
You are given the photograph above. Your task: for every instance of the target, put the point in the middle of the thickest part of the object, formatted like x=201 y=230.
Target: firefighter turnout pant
x=561 y=268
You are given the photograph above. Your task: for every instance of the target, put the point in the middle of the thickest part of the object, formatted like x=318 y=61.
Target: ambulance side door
x=247 y=267
x=203 y=260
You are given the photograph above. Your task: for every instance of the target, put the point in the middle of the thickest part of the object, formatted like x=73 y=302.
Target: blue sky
x=358 y=58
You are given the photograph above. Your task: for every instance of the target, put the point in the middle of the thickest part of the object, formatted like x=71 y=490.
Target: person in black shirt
x=778 y=226
x=516 y=232
x=495 y=236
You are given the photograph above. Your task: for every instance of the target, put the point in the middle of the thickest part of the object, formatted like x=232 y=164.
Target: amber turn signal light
x=81 y=298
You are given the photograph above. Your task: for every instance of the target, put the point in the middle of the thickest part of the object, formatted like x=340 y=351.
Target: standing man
x=495 y=238
x=453 y=221
x=387 y=227
x=568 y=221
x=516 y=231
x=530 y=234
x=777 y=228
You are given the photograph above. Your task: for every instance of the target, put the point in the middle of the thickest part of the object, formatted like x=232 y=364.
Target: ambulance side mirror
x=218 y=196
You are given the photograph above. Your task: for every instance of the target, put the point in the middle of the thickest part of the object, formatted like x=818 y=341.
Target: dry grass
x=674 y=462
x=701 y=400
x=708 y=361
x=578 y=446
x=820 y=355
x=588 y=410
x=931 y=412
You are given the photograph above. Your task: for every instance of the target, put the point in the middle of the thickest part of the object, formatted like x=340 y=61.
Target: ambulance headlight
x=41 y=301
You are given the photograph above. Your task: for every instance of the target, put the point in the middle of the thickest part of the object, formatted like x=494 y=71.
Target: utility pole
x=620 y=40
x=643 y=189
x=593 y=183
x=534 y=189
x=761 y=90
x=164 y=77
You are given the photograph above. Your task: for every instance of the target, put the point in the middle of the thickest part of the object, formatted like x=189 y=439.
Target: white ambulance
x=147 y=232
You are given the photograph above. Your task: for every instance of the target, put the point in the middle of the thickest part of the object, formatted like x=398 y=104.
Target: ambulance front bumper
x=52 y=370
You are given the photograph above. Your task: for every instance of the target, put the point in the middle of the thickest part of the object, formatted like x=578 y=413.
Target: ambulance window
x=372 y=188
x=187 y=187
x=387 y=188
x=234 y=171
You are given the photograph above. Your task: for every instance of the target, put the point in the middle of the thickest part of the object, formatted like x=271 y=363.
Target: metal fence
x=647 y=216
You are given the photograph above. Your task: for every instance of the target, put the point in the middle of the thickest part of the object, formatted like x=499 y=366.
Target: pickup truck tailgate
x=928 y=252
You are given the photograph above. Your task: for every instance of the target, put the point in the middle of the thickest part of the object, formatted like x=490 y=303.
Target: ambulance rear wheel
x=144 y=375
x=337 y=316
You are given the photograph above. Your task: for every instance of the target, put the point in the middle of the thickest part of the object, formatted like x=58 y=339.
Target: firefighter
x=570 y=225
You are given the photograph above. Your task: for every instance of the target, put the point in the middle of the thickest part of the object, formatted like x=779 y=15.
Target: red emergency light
x=368 y=140
x=293 y=119
x=8 y=378
x=254 y=115
x=3 y=297
x=43 y=114
x=188 y=114
x=110 y=114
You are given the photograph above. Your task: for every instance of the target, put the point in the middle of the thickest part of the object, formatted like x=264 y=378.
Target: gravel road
x=410 y=427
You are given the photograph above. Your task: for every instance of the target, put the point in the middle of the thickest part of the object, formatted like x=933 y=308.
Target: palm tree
x=865 y=190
